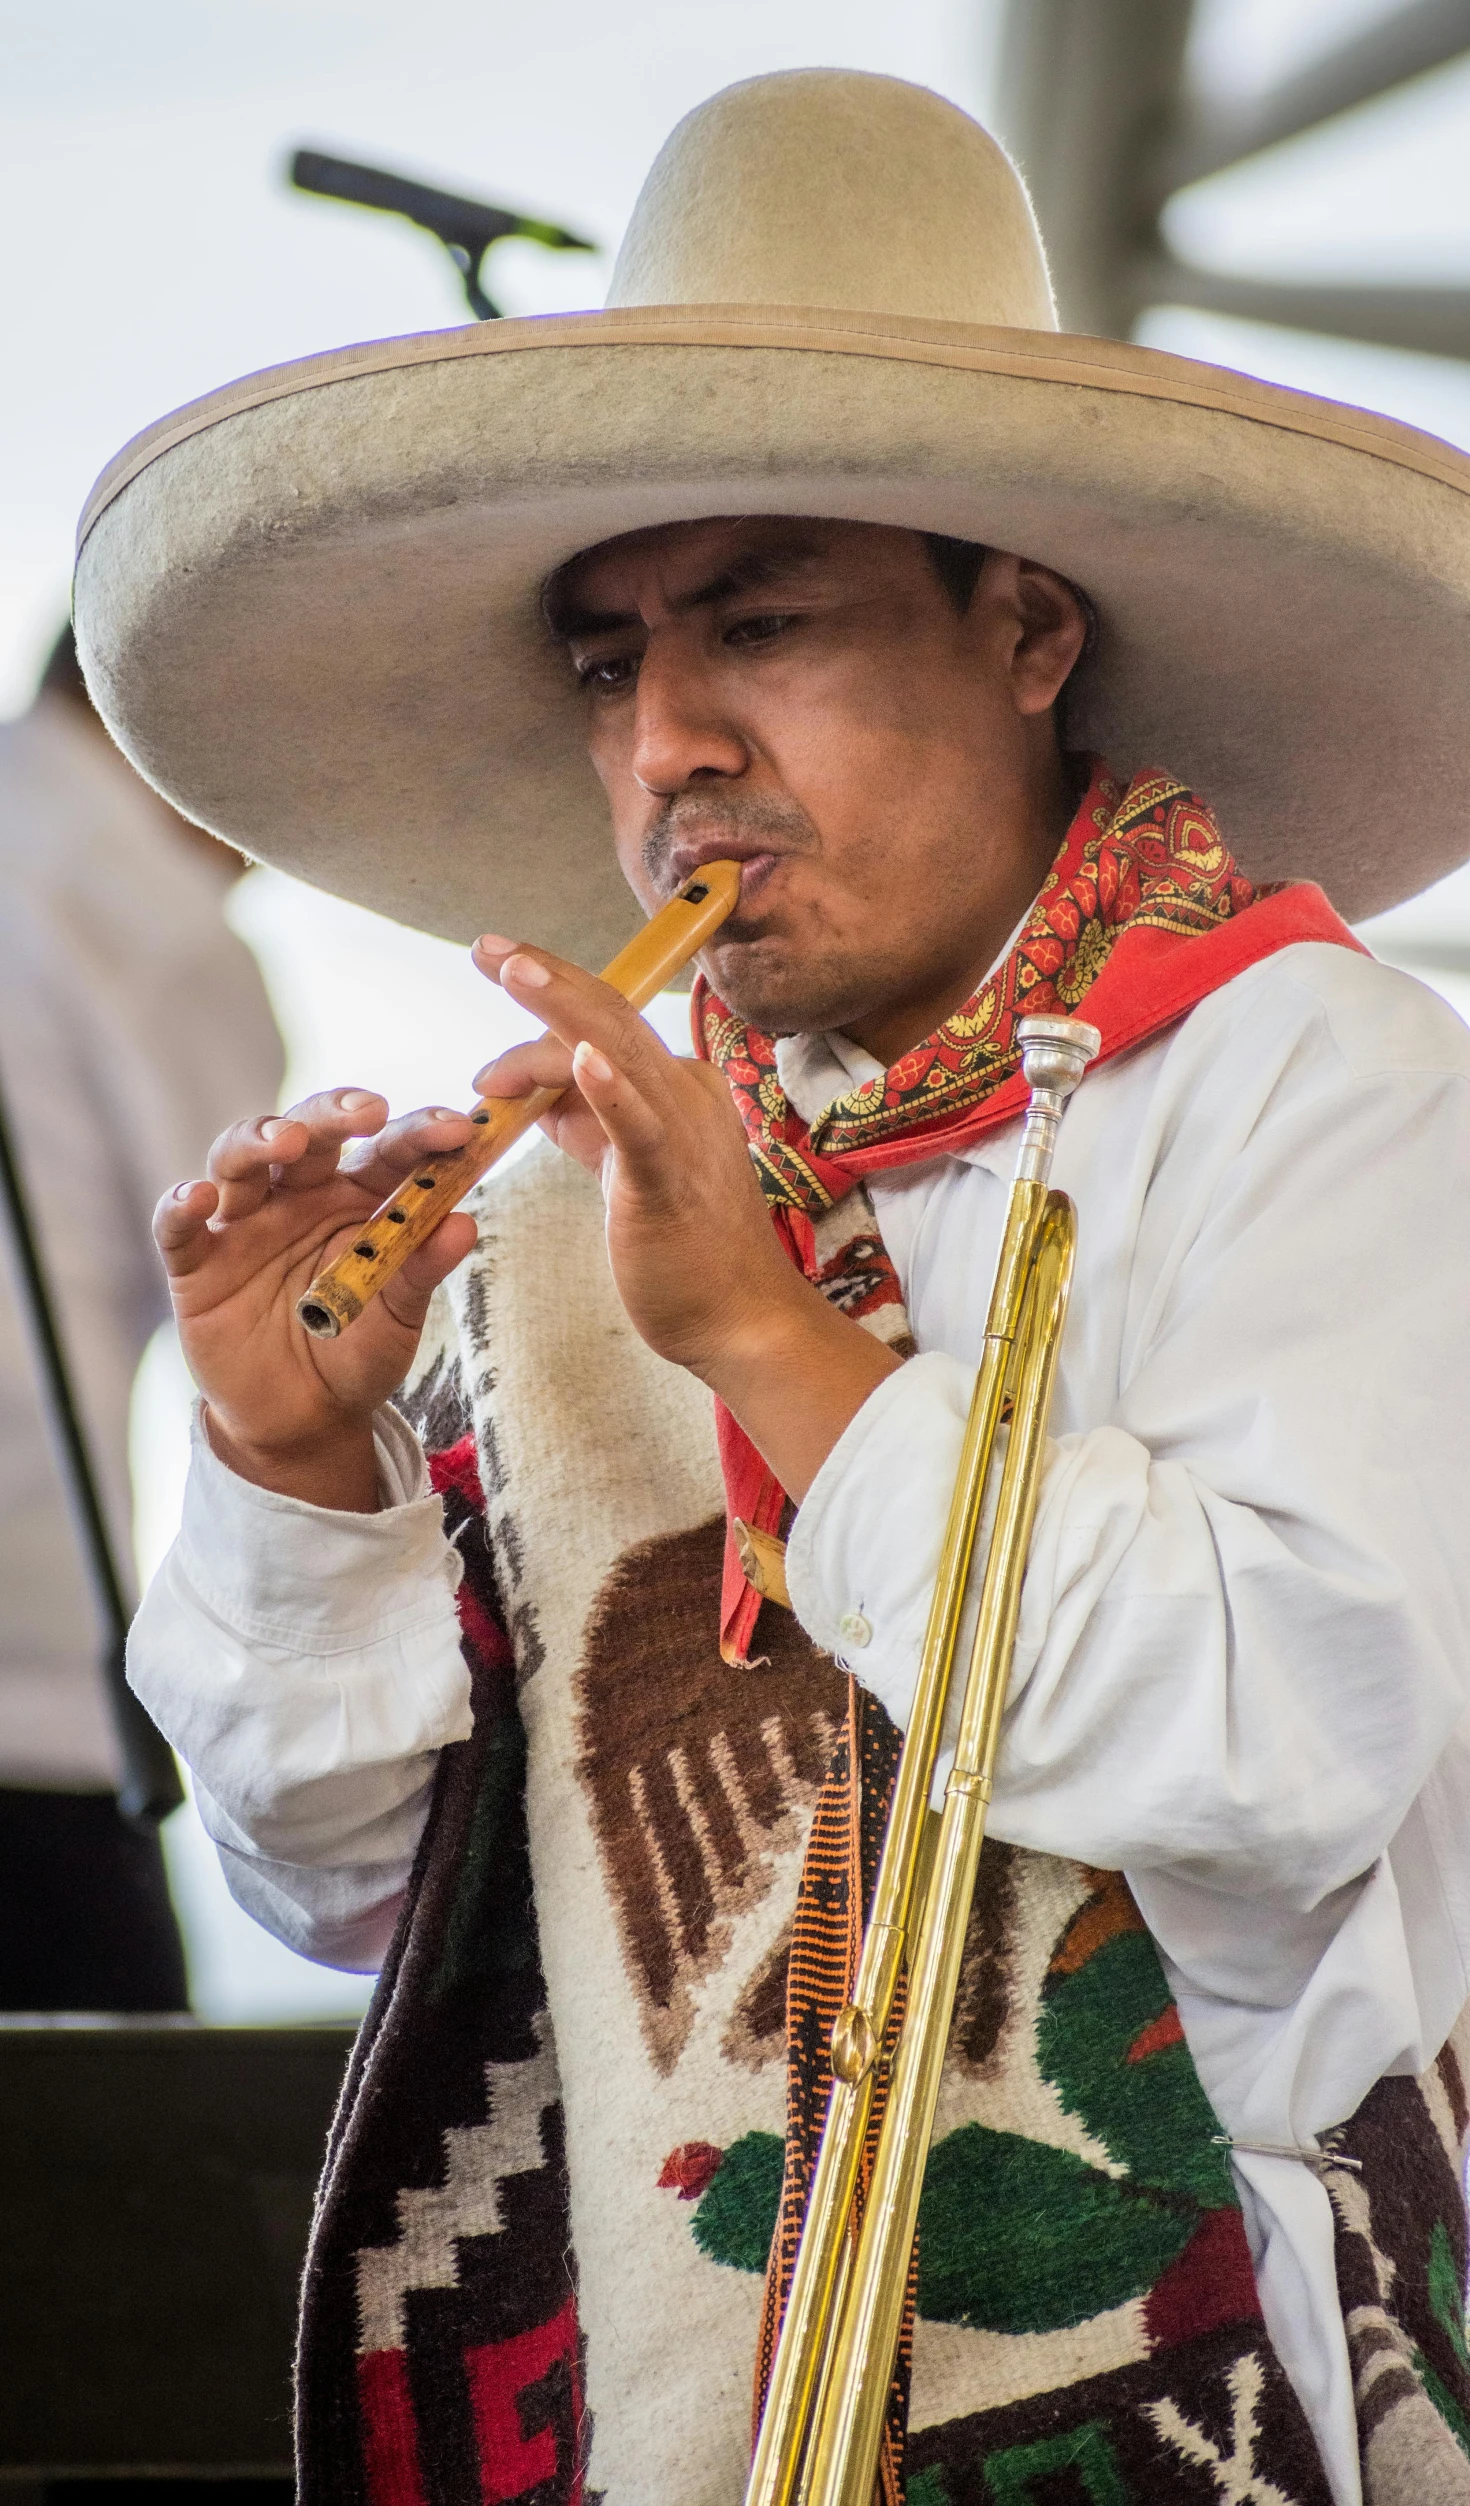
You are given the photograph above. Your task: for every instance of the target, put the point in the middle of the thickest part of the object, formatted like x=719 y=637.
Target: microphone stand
x=466 y=228
x=150 y=1786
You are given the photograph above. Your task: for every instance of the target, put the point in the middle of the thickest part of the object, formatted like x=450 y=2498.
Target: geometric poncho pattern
x=561 y=2135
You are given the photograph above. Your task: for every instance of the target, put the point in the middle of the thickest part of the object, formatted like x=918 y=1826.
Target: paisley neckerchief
x=1142 y=915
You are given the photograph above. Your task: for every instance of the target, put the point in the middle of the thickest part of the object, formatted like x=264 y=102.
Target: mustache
x=742 y=813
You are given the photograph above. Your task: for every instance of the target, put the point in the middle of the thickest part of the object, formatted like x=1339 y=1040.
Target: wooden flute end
x=328 y=1307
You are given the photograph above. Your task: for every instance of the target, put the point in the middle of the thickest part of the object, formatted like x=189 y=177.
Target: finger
x=241 y=1159
x=278 y=1139
x=381 y=1163
x=331 y=1120
x=181 y=1226
x=341 y=1113
x=407 y=1294
x=634 y=1127
x=490 y=952
x=298 y=1149
x=543 y=1063
x=579 y=1008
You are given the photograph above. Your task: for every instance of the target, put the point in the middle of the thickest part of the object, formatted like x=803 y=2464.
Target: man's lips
x=757 y=859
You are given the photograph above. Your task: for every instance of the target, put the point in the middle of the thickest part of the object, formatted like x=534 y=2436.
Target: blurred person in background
x=132 y=1023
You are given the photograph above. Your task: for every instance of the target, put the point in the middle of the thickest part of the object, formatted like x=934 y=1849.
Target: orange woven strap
x=832 y=1899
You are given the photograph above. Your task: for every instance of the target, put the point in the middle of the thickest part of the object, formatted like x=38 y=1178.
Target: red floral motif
x=1166 y=2030
x=691 y=2169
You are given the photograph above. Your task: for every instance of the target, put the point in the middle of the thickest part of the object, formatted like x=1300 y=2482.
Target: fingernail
x=588 y=1058
x=352 y=1100
x=442 y=1113
x=271 y=1130
x=525 y=970
x=182 y=1191
x=494 y=943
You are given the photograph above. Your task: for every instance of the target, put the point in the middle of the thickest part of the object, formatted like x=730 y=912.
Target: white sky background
x=152 y=252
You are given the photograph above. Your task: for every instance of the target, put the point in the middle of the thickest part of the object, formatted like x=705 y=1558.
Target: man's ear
x=1051 y=628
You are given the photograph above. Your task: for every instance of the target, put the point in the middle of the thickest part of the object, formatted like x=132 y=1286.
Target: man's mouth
x=757 y=865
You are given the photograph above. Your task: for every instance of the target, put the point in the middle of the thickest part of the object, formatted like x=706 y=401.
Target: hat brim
x=308 y=606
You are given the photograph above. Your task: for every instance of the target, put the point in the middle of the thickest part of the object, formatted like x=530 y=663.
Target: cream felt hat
x=308 y=606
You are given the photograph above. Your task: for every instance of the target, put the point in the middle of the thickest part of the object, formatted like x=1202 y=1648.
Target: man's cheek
x=613 y=770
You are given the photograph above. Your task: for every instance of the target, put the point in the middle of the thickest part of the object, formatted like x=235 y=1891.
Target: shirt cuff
x=311 y=1578
x=861 y=1558
x=307 y=1663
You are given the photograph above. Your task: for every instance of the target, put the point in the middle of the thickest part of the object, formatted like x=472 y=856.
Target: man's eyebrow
x=756 y=570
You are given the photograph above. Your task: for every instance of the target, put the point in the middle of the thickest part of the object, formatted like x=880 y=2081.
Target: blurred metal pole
x=150 y=1780
x=1406 y=42
x=1433 y=321
x=1087 y=94
x=1091 y=100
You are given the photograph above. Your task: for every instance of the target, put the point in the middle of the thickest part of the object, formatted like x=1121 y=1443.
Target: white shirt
x=1244 y=1656
x=133 y=1026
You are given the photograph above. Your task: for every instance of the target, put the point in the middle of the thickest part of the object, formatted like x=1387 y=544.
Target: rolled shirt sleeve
x=306 y=1665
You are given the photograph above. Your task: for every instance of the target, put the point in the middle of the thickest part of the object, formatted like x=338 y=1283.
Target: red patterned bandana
x=1142 y=915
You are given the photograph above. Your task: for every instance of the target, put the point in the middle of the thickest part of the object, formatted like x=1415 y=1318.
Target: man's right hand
x=283 y=1409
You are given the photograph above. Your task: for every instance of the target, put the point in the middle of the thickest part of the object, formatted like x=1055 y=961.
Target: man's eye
x=761 y=630
x=606 y=676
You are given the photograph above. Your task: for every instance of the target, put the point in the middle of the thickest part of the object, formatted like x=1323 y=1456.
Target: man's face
x=805 y=697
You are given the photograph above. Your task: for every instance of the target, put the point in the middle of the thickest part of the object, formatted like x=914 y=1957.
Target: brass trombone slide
x=822 y=2429
x=383 y=1244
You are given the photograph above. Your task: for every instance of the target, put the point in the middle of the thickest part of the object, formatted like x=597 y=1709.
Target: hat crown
x=842 y=190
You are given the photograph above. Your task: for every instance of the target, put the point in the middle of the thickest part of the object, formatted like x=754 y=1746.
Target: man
x=132 y=1023
x=1192 y=2224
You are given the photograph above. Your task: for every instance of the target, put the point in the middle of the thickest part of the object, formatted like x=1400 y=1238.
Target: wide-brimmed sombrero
x=309 y=605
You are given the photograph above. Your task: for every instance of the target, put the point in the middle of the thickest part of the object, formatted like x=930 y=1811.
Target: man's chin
x=789 y=1000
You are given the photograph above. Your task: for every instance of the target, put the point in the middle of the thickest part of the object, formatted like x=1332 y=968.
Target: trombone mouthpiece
x=1054 y=1054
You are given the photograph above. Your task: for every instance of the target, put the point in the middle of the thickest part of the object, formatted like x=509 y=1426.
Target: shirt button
x=855 y=1630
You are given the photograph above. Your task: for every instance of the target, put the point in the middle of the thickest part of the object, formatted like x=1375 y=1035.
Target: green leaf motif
x=1151 y=2112
x=1015 y=2236
x=1446 y=2296
x=1085 y=2452
x=736 y=2217
x=928 y=2488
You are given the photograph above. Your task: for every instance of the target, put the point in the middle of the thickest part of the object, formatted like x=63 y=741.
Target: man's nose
x=681 y=728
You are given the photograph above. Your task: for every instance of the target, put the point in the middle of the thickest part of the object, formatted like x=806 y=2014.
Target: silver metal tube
x=1054 y=1054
